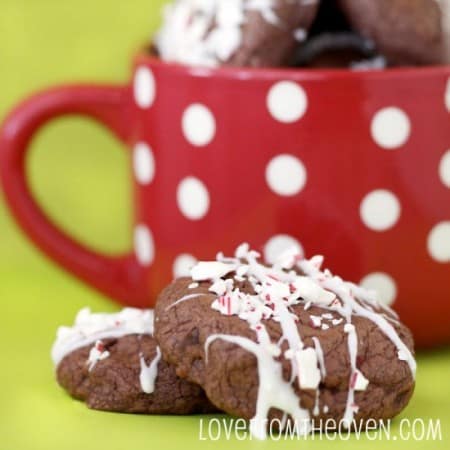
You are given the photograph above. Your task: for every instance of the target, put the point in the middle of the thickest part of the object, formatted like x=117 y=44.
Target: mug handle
x=119 y=277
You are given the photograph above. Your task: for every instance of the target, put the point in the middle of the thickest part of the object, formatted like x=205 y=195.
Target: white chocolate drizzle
x=320 y=357
x=91 y=328
x=273 y=390
x=184 y=299
x=276 y=289
x=148 y=374
x=96 y=354
x=351 y=408
x=316 y=409
x=349 y=296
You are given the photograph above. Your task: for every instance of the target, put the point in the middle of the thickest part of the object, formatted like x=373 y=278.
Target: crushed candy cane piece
x=309 y=372
x=211 y=270
x=97 y=353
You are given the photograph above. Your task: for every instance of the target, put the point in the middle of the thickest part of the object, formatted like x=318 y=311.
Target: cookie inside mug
x=368 y=34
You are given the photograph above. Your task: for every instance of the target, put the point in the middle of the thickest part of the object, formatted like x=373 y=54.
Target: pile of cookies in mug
x=282 y=345
x=360 y=34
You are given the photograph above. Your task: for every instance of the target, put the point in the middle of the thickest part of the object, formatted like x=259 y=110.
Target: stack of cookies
x=288 y=343
x=311 y=33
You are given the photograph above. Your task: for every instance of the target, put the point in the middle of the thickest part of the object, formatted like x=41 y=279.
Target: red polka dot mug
x=352 y=165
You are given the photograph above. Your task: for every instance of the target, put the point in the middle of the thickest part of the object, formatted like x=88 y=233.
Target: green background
x=80 y=175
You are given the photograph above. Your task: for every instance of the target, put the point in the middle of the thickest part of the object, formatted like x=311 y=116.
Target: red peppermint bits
x=298 y=257
x=100 y=346
x=336 y=302
x=353 y=379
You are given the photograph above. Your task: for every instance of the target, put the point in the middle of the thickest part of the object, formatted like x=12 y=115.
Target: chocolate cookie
x=234 y=32
x=286 y=342
x=113 y=363
x=405 y=31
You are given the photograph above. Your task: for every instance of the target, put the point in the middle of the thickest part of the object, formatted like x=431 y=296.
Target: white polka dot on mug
x=287 y=102
x=444 y=169
x=198 y=124
x=384 y=286
x=144 y=87
x=286 y=175
x=279 y=245
x=380 y=210
x=143 y=163
x=183 y=264
x=447 y=95
x=439 y=242
x=391 y=128
x=144 y=245
x=193 y=198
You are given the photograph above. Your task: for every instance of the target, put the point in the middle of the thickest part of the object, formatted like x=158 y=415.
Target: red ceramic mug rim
x=242 y=73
